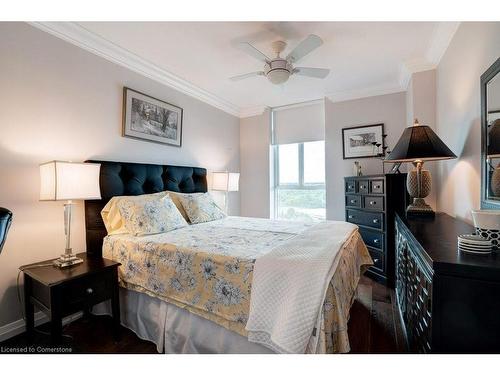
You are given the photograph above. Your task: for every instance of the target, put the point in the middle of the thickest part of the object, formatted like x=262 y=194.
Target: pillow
x=175 y=198
x=111 y=214
x=150 y=216
x=201 y=208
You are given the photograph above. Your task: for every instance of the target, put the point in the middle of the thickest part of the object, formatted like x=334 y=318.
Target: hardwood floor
x=374 y=327
x=374 y=324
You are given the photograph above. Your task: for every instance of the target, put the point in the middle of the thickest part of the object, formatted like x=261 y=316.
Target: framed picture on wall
x=360 y=141
x=151 y=119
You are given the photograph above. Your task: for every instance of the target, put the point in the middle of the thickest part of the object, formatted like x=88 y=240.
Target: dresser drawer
x=353 y=201
x=369 y=219
x=88 y=291
x=363 y=186
x=350 y=186
x=374 y=203
x=378 y=260
x=372 y=238
x=377 y=186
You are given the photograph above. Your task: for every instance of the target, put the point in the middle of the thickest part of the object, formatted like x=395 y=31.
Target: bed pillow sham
x=175 y=198
x=147 y=216
x=111 y=214
x=201 y=208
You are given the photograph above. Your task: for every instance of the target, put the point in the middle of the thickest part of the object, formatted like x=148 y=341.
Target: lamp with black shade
x=419 y=144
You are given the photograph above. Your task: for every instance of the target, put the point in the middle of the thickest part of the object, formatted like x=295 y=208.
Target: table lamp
x=419 y=144
x=226 y=182
x=66 y=181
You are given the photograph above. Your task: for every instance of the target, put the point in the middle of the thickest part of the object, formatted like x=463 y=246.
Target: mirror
x=490 y=122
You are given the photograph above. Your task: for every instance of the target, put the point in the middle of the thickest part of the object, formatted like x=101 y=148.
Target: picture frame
x=357 y=141
x=150 y=119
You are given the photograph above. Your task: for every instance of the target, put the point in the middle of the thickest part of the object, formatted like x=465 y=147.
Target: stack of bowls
x=487 y=223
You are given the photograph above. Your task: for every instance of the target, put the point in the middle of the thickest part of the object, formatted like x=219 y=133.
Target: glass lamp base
x=67 y=261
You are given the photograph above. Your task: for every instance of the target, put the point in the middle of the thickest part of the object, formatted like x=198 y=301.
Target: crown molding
x=252 y=111
x=81 y=37
x=298 y=105
x=440 y=40
x=364 y=93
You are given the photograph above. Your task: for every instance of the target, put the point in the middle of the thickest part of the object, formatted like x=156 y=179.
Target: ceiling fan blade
x=248 y=75
x=308 y=45
x=312 y=72
x=254 y=52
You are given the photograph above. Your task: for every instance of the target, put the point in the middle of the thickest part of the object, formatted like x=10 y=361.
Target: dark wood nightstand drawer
x=350 y=186
x=353 y=201
x=363 y=186
x=377 y=186
x=374 y=203
x=87 y=291
x=369 y=219
x=378 y=260
x=372 y=238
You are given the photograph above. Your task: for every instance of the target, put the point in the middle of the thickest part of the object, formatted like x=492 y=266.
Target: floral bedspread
x=207 y=269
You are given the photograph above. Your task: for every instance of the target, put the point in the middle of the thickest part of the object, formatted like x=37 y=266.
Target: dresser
x=371 y=202
x=449 y=300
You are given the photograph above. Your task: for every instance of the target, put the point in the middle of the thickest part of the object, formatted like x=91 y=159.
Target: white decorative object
x=60 y=180
x=487 y=223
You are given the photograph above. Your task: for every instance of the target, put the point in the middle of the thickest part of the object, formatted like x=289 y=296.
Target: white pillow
x=201 y=208
x=150 y=216
x=111 y=214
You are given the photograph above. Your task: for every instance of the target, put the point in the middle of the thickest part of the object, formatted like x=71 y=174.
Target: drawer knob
x=353 y=200
x=362 y=187
x=376 y=240
x=89 y=290
x=375 y=221
x=377 y=186
x=351 y=216
x=351 y=187
x=372 y=202
x=375 y=260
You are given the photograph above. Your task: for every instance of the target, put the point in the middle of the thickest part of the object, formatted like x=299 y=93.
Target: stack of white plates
x=472 y=243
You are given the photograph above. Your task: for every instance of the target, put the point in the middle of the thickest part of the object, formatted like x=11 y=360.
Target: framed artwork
x=358 y=142
x=151 y=119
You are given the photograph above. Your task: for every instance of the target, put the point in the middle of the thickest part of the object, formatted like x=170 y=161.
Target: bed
x=234 y=285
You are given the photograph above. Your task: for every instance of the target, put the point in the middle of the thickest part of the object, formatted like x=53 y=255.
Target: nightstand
x=59 y=292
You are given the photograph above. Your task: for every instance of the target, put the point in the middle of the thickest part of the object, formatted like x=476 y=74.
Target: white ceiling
x=365 y=58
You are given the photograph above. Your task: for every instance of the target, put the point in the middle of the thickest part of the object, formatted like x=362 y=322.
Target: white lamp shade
x=60 y=180
x=225 y=181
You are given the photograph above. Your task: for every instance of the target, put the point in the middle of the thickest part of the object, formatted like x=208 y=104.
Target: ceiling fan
x=279 y=69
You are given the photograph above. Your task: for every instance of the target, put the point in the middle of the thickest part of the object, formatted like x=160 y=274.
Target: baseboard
x=17 y=327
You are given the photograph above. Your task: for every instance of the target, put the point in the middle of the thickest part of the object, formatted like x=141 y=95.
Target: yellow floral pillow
x=201 y=208
x=150 y=216
x=111 y=214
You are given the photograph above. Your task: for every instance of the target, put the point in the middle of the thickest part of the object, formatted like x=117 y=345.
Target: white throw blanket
x=289 y=286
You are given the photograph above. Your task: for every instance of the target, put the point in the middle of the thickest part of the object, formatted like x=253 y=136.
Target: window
x=300 y=181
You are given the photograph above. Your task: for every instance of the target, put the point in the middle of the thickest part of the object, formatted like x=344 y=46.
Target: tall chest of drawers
x=371 y=202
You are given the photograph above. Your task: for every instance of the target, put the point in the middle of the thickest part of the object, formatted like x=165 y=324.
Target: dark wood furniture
x=370 y=202
x=449 y=300
x=59 y=292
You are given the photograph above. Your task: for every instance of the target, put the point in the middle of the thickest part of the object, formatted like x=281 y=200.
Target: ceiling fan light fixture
x=278 y=76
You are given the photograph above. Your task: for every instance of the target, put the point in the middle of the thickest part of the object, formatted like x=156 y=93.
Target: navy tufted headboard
x=118 y=178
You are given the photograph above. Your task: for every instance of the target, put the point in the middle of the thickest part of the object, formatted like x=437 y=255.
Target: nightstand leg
x=115 y=307
x=29 y=309
x=56 y=316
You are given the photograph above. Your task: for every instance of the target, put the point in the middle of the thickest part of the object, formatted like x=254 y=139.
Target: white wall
x=388 y=109
x=61 y=102
x=255 y=140
x=421 y=105
x=472 y=50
